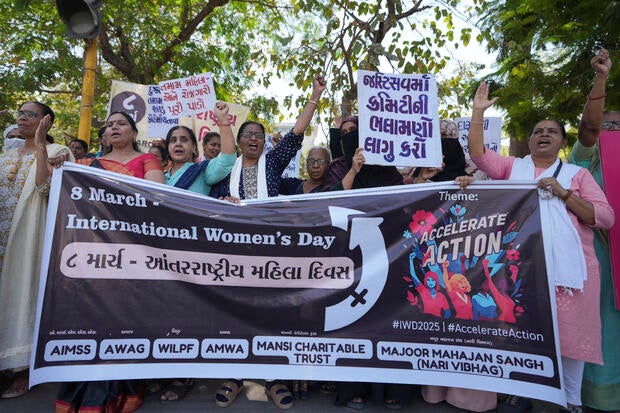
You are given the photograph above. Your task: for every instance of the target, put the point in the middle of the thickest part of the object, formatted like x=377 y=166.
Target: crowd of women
x=573 y=199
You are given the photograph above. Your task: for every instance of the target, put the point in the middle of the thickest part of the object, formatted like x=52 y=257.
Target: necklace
x=14 y=169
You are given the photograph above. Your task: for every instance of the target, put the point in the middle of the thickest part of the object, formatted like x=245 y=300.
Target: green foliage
x=545 y=49
x=244 y=44
x=141 y=42
x=345 y=36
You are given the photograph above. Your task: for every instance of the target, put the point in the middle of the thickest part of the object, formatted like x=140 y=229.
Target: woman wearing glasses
x=601 y=384
x=573 y=205
x=256 y=175
x=317 y=162
x=24 y=186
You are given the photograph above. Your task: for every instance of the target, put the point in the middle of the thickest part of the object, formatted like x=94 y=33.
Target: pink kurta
x=579 y=320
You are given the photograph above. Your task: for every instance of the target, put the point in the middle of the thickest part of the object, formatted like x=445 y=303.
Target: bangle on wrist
x=568 y=194
x=477 y=122
x=597 y=97
x=314 y=102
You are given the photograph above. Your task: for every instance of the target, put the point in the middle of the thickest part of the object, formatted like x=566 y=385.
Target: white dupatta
x=566 y=262
x=261 y=184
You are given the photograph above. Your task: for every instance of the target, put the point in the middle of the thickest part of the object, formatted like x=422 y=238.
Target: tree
x=140 y=41
x=545 y=49
x=240 y=42
x=356 y=34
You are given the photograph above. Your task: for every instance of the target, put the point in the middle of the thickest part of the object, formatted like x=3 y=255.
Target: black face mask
x=349 y=142
x=453 y=159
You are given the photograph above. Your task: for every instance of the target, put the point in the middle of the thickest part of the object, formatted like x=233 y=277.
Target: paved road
x=201 y=399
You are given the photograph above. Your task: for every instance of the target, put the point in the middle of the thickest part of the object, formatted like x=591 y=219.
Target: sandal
x=280 y=395
x=176 y=390
x=328 y=387
x=18 y=387
x=356 y=403
x=303 y=390
x=227 y=394
x=300 y=389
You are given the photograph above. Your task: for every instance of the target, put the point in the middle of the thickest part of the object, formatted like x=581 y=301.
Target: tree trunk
x=348 y=100
x=518 y=148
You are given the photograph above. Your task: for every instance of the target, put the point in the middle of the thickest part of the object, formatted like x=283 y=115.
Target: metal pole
x=88 y=89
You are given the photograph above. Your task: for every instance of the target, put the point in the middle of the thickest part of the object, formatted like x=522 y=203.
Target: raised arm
x=492 y=288
x=590 y=124
x=228 y=140
x=463 y=258
x=446 y=278
x=514 y=271
x=44 y=170
x=412 y=270
x=318 y=86
x=475 y=139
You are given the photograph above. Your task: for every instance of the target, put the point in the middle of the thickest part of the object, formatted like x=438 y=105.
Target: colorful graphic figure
x=458 y=287
x=483 y=304
x=504 y=303
x=497 y=296
x=434 y=302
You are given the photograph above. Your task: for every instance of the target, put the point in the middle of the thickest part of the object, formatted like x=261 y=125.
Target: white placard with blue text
x=398 y=119
x=492 y=133
x=188 y=96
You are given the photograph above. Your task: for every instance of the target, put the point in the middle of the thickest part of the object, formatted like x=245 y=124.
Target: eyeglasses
x=608 y=124
x=27 y=113
x=248 y=135
x=318 y=161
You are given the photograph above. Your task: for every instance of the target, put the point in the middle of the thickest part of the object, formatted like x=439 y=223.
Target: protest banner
x=140 y=280
x=145 y=105
x=492 y=127
x=398 y=119
x=133 y=99
x=609 y=142
x=188 y=96
x=158 y=123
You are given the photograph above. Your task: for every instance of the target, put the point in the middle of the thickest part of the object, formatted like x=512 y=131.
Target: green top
x=217 y=169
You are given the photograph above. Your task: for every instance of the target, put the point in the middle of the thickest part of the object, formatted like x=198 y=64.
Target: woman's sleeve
x=582 y=155
x=585 y=187
x=494 y=165
x=221 y=189
x=288 y=186
x=219 y=168
x=151 y=163
x=285 y=151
